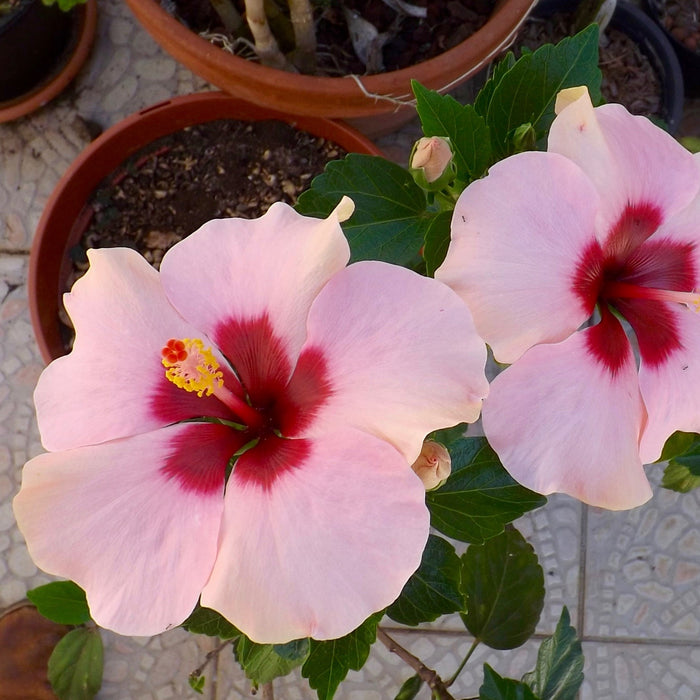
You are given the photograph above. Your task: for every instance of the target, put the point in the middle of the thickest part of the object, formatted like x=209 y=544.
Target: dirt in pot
x=167 y=190
x=397 y=40
x=628 y=75
x=682 y=19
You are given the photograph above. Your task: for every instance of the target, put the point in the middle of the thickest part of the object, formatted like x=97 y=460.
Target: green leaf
x=437 y=241
x=558 y=674
x=483 y=99
x=448 y=436
x=209 y=622
x=197 y=683
x=433 y=590
x=442 y=115
x=262 y=662
x=504 y=588
x=480 y=497
x=410 y=688
x=329 y=662
x=75 y=666
x=526 y=93
x=495 y=687
x=683 y=471
x=61 y=601
x=390 y=219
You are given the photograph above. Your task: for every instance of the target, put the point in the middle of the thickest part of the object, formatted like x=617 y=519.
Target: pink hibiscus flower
x=254 y=340
x=602 y=231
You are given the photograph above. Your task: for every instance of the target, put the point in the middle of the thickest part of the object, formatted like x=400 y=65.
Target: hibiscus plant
x=269 y=440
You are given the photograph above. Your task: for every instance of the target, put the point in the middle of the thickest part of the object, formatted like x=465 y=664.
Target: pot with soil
x=374 y=103
x=159 y=174
x=640 y=69
x=42 y=48
x=680 y=21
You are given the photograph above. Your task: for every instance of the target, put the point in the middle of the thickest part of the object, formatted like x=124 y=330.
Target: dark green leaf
x=526 y=93
x=683 y=471
x=483 y=99
x=447 y=436
x=410 y=688
x=496 y=688
x=433 y=590
x=75 y=666
x=437 y=241
x=61 y=601
x=262 y=663
x=329 y=662
x=504 y=588
x=390 y=219
x=209 y=622
x=559 y=671
x=480 y=497
x=442 y=115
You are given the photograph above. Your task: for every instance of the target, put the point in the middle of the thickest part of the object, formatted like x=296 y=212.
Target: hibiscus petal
x=400 y=353
x=249 y=284
x=629 y=159
x=113 y=384
x=134 y=522
x=670 y=388
x=518 y=236
x=561 y=421
x=331 y=541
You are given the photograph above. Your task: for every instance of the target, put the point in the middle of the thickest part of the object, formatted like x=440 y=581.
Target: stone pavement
x=630 y=580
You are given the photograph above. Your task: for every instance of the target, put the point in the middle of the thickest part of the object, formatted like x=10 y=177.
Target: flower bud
x=433 y=465
x=431 y=162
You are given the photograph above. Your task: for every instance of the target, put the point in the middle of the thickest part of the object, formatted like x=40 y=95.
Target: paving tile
x=643 y=568
x=615 y=671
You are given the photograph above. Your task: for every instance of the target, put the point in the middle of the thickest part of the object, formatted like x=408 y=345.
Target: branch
x=265 y=43
x=427 y=675
x=267 y=692
x=301 y=15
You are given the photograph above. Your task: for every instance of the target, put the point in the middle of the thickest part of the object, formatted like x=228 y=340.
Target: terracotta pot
x=63 y=58
x=60 y=226
x=340 y=97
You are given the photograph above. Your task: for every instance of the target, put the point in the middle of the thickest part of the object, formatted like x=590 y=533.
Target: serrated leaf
x=677 y=444
x=682 y=473
x=410 y=688
x=294 y=650
x=680 y=478
x=495 y=687
x=262 y=663
x=330 y=661
x=503 y=584
x=480 y=497
x=61 y=601
x=526 y=93
x=437 y=241
x=209 y=622
x=76 y=663
x=442 y=115
x=433 y=590
x=390 y=218
x=483 y=99
x=558 y=674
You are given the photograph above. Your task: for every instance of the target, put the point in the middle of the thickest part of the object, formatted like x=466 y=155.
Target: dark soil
x=448 y=23
x=219 y=169
x=628 y=75
x=682 y=19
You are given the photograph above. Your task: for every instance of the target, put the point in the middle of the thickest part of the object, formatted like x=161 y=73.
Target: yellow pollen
x=191 y=367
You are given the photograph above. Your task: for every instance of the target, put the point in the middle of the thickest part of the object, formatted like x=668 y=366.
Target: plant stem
x=301 y=15
x=430 y=677
x=265 y=43
x=267 y=691
x=210 y=655
x=474 y=645
x=229 y=15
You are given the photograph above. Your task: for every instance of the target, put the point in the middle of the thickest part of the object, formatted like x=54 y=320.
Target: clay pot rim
x=107 y=152
x=86 y=16
x=339 y=96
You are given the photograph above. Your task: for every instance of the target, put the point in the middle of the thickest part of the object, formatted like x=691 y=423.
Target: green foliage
x=265 y=662
x=65 y=5
x=480 y=497
x=390 y=218
x=410 y=688
x=329 y=662
x=495 y=687
x=433 y=590
x=209 y=622
x=63 y=602
x=197 y=683
x=75 y=666
x=558 y=674
x=525 y=93
x=683 y=471
x=504 y=588
x=437 y=241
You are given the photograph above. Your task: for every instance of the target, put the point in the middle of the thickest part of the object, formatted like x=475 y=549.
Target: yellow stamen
x=191 y=366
